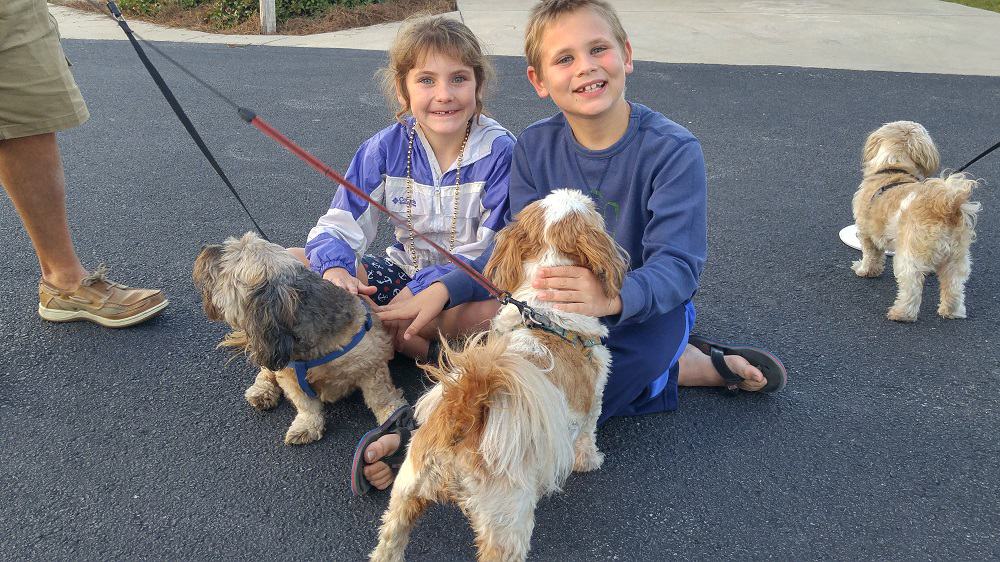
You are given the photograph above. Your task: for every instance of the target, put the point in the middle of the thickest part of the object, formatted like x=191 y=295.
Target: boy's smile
x=582 y=67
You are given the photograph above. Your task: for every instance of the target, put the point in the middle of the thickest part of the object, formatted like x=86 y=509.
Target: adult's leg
x=32 y=174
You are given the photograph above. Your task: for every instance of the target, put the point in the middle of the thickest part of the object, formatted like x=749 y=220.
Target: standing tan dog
x=282 y=312
x=930 y=221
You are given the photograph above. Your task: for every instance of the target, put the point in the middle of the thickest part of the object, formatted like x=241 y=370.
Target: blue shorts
x=643 y=378
x=385 y=276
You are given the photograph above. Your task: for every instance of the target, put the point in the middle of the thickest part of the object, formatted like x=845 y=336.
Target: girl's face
x=442 y=95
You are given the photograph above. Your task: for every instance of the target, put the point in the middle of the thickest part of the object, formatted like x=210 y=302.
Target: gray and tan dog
x=930 y=221
x=280 y=311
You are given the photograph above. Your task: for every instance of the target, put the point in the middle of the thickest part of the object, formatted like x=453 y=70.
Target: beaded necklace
x=409 y=192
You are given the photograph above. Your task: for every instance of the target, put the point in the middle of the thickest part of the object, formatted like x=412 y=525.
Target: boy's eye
x=564 y=60
x=597 y=50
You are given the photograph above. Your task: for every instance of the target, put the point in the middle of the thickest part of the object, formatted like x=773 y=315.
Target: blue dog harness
x=301 y=367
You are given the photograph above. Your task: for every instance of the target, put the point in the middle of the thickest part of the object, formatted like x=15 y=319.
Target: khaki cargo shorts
x=37 y=92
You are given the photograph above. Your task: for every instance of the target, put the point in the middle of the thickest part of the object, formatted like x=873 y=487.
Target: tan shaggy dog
x=930 y=222
x=516 y=410
x=281 y=311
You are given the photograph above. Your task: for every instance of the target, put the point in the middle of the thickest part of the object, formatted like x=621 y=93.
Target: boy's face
x=582 y=67
x=442 y=94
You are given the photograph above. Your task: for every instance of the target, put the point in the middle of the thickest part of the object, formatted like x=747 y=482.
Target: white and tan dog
x=930 y=222
x=514 y=412
x=281 y=311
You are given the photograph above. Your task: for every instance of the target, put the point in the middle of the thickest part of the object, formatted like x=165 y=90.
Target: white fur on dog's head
x=564 y=228
x=901 y=144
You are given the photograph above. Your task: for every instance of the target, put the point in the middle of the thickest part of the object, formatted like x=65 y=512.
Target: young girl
x=443 y=167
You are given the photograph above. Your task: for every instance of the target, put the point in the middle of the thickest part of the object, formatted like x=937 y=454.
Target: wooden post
x=267 y=17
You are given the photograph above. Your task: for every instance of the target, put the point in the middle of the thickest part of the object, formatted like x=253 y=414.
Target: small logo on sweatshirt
x=403 y=201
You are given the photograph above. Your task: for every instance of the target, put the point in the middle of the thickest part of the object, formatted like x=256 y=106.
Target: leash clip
x=530 y=316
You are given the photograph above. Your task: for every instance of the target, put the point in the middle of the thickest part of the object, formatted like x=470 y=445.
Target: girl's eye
x=459 y=79
x=425 y=81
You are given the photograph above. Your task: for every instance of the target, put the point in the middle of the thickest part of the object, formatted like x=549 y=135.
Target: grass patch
x=991 y=5
x=240 y=17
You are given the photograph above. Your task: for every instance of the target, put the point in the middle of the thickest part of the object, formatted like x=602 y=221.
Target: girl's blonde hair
x=421 y=36
x=548 y=11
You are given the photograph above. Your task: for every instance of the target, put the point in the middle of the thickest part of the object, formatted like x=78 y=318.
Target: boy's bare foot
x=696 y=369
x=377 y=472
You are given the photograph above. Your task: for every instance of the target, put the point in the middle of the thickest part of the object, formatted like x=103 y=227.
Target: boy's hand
x=575 y=289
x=343 y=279
x=421 y=308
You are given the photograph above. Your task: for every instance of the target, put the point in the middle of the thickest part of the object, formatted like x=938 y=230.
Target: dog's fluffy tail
x=950 y=194
x=501 y=408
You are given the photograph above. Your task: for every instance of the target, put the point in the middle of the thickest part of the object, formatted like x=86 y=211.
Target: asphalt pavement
x=138 y=444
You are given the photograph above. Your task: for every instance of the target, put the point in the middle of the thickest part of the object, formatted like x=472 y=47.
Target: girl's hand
x=575 y=289
x=420 y=308
x=343 y=279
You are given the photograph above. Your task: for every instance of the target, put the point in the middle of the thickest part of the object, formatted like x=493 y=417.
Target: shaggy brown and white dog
x=281 y=311
x=930 y=222
x=515 y=411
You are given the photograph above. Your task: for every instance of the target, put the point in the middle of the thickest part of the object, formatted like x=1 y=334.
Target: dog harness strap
x=302 y=367
x=885 y=188
x=893 y=171
x=300 y=375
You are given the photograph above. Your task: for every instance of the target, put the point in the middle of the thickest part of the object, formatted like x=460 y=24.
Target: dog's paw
x=950 y=312
x=304 y=429
x=871 y=271
x=382 y=554
x=587 y=461
x=899 y=314
x=263 y=397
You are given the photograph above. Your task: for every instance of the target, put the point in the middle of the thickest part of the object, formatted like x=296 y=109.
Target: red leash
x=315 y=163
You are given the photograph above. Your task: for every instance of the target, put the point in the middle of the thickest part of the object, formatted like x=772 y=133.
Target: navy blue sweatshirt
x=651 y=188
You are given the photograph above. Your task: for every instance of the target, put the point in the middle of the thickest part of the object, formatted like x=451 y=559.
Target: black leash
x=976 y=159
x=176 y=106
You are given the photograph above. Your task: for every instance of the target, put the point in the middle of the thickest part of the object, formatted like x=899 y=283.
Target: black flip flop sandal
x=771 y=366
x=401 y=421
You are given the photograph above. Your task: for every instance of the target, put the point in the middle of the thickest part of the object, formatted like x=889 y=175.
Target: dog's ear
x=923 y=152
x=870 y=149
x=583 y=238
x=204 y=275
x=269 y=322
x=506 y=266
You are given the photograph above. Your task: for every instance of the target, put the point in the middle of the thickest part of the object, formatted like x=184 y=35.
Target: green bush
x=297 y=8
x=153 y=7
x=139 y=7
x=230 y=13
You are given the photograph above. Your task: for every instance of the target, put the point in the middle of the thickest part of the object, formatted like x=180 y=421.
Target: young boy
x=647 y=174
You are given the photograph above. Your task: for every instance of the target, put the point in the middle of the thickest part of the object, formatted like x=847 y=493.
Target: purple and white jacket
x=344 y=233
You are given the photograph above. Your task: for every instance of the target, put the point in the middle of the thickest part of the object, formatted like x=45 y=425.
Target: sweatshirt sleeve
x=494 y=214
x=351 y=224
x=674 y=242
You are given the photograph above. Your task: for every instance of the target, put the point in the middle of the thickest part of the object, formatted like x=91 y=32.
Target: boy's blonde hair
x=548 y=11
x=415 y=40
